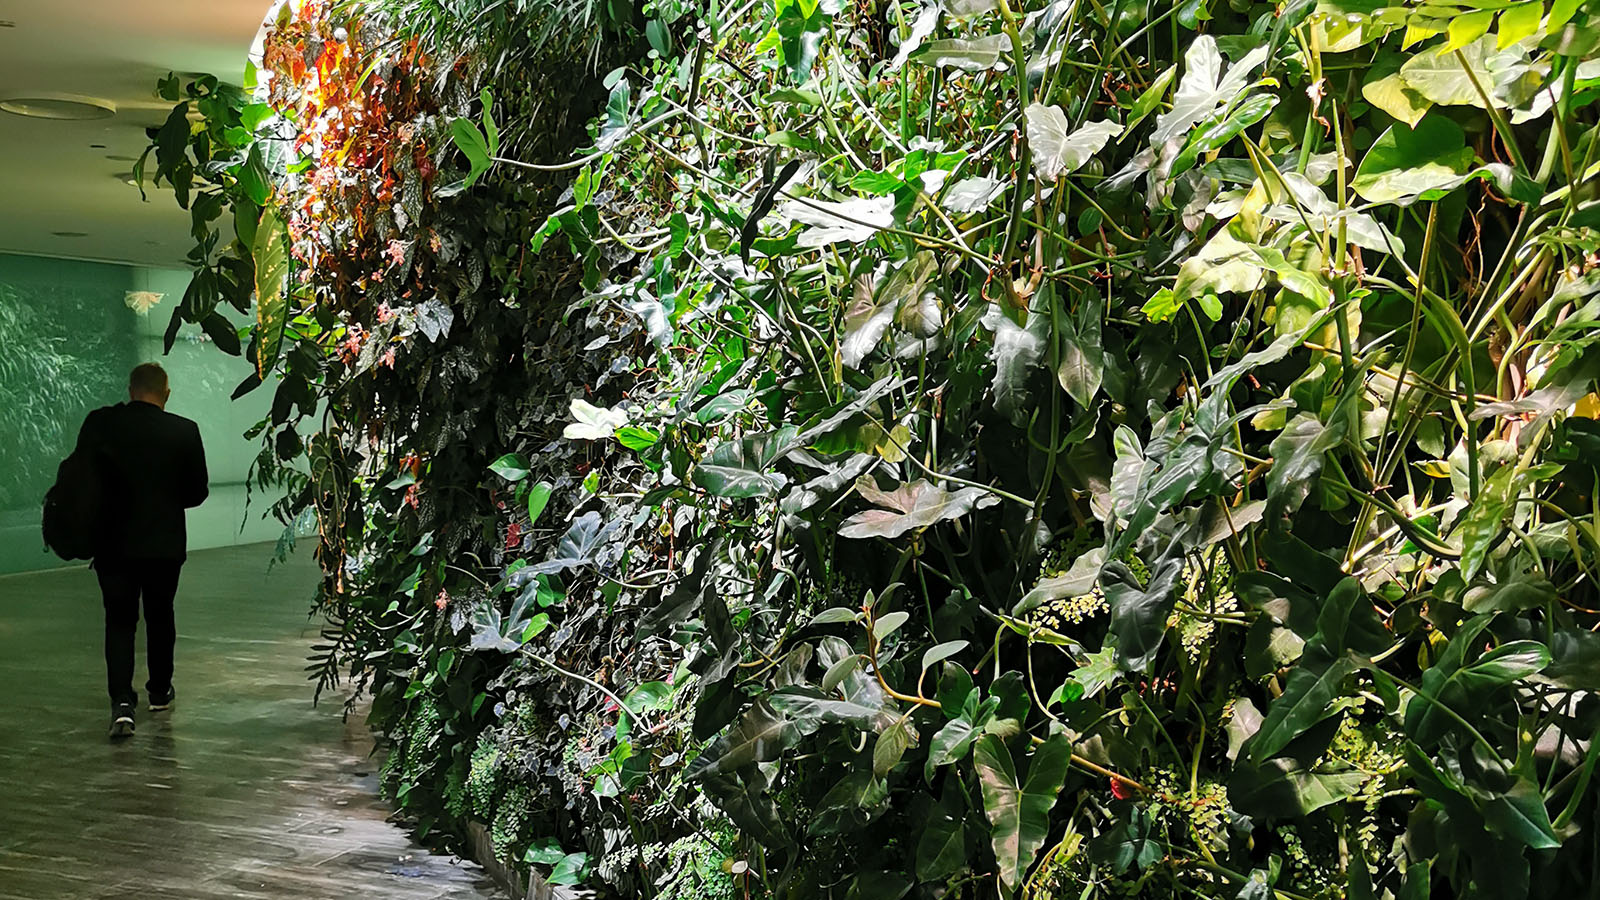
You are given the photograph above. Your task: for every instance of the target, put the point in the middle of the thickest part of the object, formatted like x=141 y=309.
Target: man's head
x=148 y=383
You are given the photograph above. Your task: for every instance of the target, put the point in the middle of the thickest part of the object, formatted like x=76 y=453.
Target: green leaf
x=1465 y=688
x=512 y=467
x=253 y=177
x=976 y=55
x=1519 y=21
x=270 y=253
x=570 y=869
x=635 y=438
x=942 y=848
x=491 y=131
x=1407 y=163
x=1284 y=788
x=1127 y=842
x=652 y=696
x=1443 y=77
x=940 y=652
x=1297 y=457
x=1056 y=149
x=1019 y=813
x=761 y=736
x=950 y=744
x=1390 y=93
x=1307 y=699
x=1082 y=359
x=889 y=624
x=470 y=141
x=1147 y=101
x=538 y=498
x=1204 y=88
x=1464 y=29
x=891 y=746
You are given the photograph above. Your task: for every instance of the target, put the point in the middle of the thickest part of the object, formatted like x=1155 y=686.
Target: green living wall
x=67 y=341
x=941 y=449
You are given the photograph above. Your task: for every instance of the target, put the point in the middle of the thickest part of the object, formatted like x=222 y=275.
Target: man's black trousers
x=123 y=585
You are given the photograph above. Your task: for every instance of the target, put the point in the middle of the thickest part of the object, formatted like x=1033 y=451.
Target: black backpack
x=72 y=508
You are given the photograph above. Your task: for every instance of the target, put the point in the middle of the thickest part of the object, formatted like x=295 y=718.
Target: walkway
x=244 y=790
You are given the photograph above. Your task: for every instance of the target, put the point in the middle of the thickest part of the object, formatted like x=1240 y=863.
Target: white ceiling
x=51 y=177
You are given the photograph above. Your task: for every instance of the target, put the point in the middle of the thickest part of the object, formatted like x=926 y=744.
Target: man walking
x=152 y=468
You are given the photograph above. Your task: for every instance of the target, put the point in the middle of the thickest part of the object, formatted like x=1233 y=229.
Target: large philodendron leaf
x=506 y=633
x=270 y=252
x=1058 y=150
x=1204 y=88
x=1411 y=163
x=761 y=736
x=1447 y=78
x=975 y=55
x=577 y=547
x=1286 y=789
x=874 y=306
x=1464 y=688
x=1307 y=699
x=1018 y=811
x=848 y=221
x=911 y=506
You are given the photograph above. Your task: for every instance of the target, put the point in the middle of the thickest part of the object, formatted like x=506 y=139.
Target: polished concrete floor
x=243 y=790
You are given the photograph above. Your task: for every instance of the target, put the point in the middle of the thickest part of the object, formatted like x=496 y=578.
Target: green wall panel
x=67 y=341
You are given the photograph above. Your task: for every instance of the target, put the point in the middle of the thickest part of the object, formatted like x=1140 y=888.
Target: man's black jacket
x=152 y=468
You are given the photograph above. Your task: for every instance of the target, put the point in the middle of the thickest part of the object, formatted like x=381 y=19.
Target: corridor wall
x=67 y=341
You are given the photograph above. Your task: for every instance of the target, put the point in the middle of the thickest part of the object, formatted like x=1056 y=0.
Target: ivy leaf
x=1058 y=151
x=911 y=506
x=1019 y=813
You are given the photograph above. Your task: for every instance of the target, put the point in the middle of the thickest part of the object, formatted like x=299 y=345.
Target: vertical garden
x=975 y=448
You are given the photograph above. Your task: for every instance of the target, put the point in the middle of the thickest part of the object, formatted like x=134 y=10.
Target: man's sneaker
x=162 y=701
x=122 y=721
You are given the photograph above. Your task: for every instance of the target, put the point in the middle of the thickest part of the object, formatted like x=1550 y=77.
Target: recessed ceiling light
x=7 y=23
x=70 y=234
x=97 y=146
x=115 y=157
x=51 y=105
